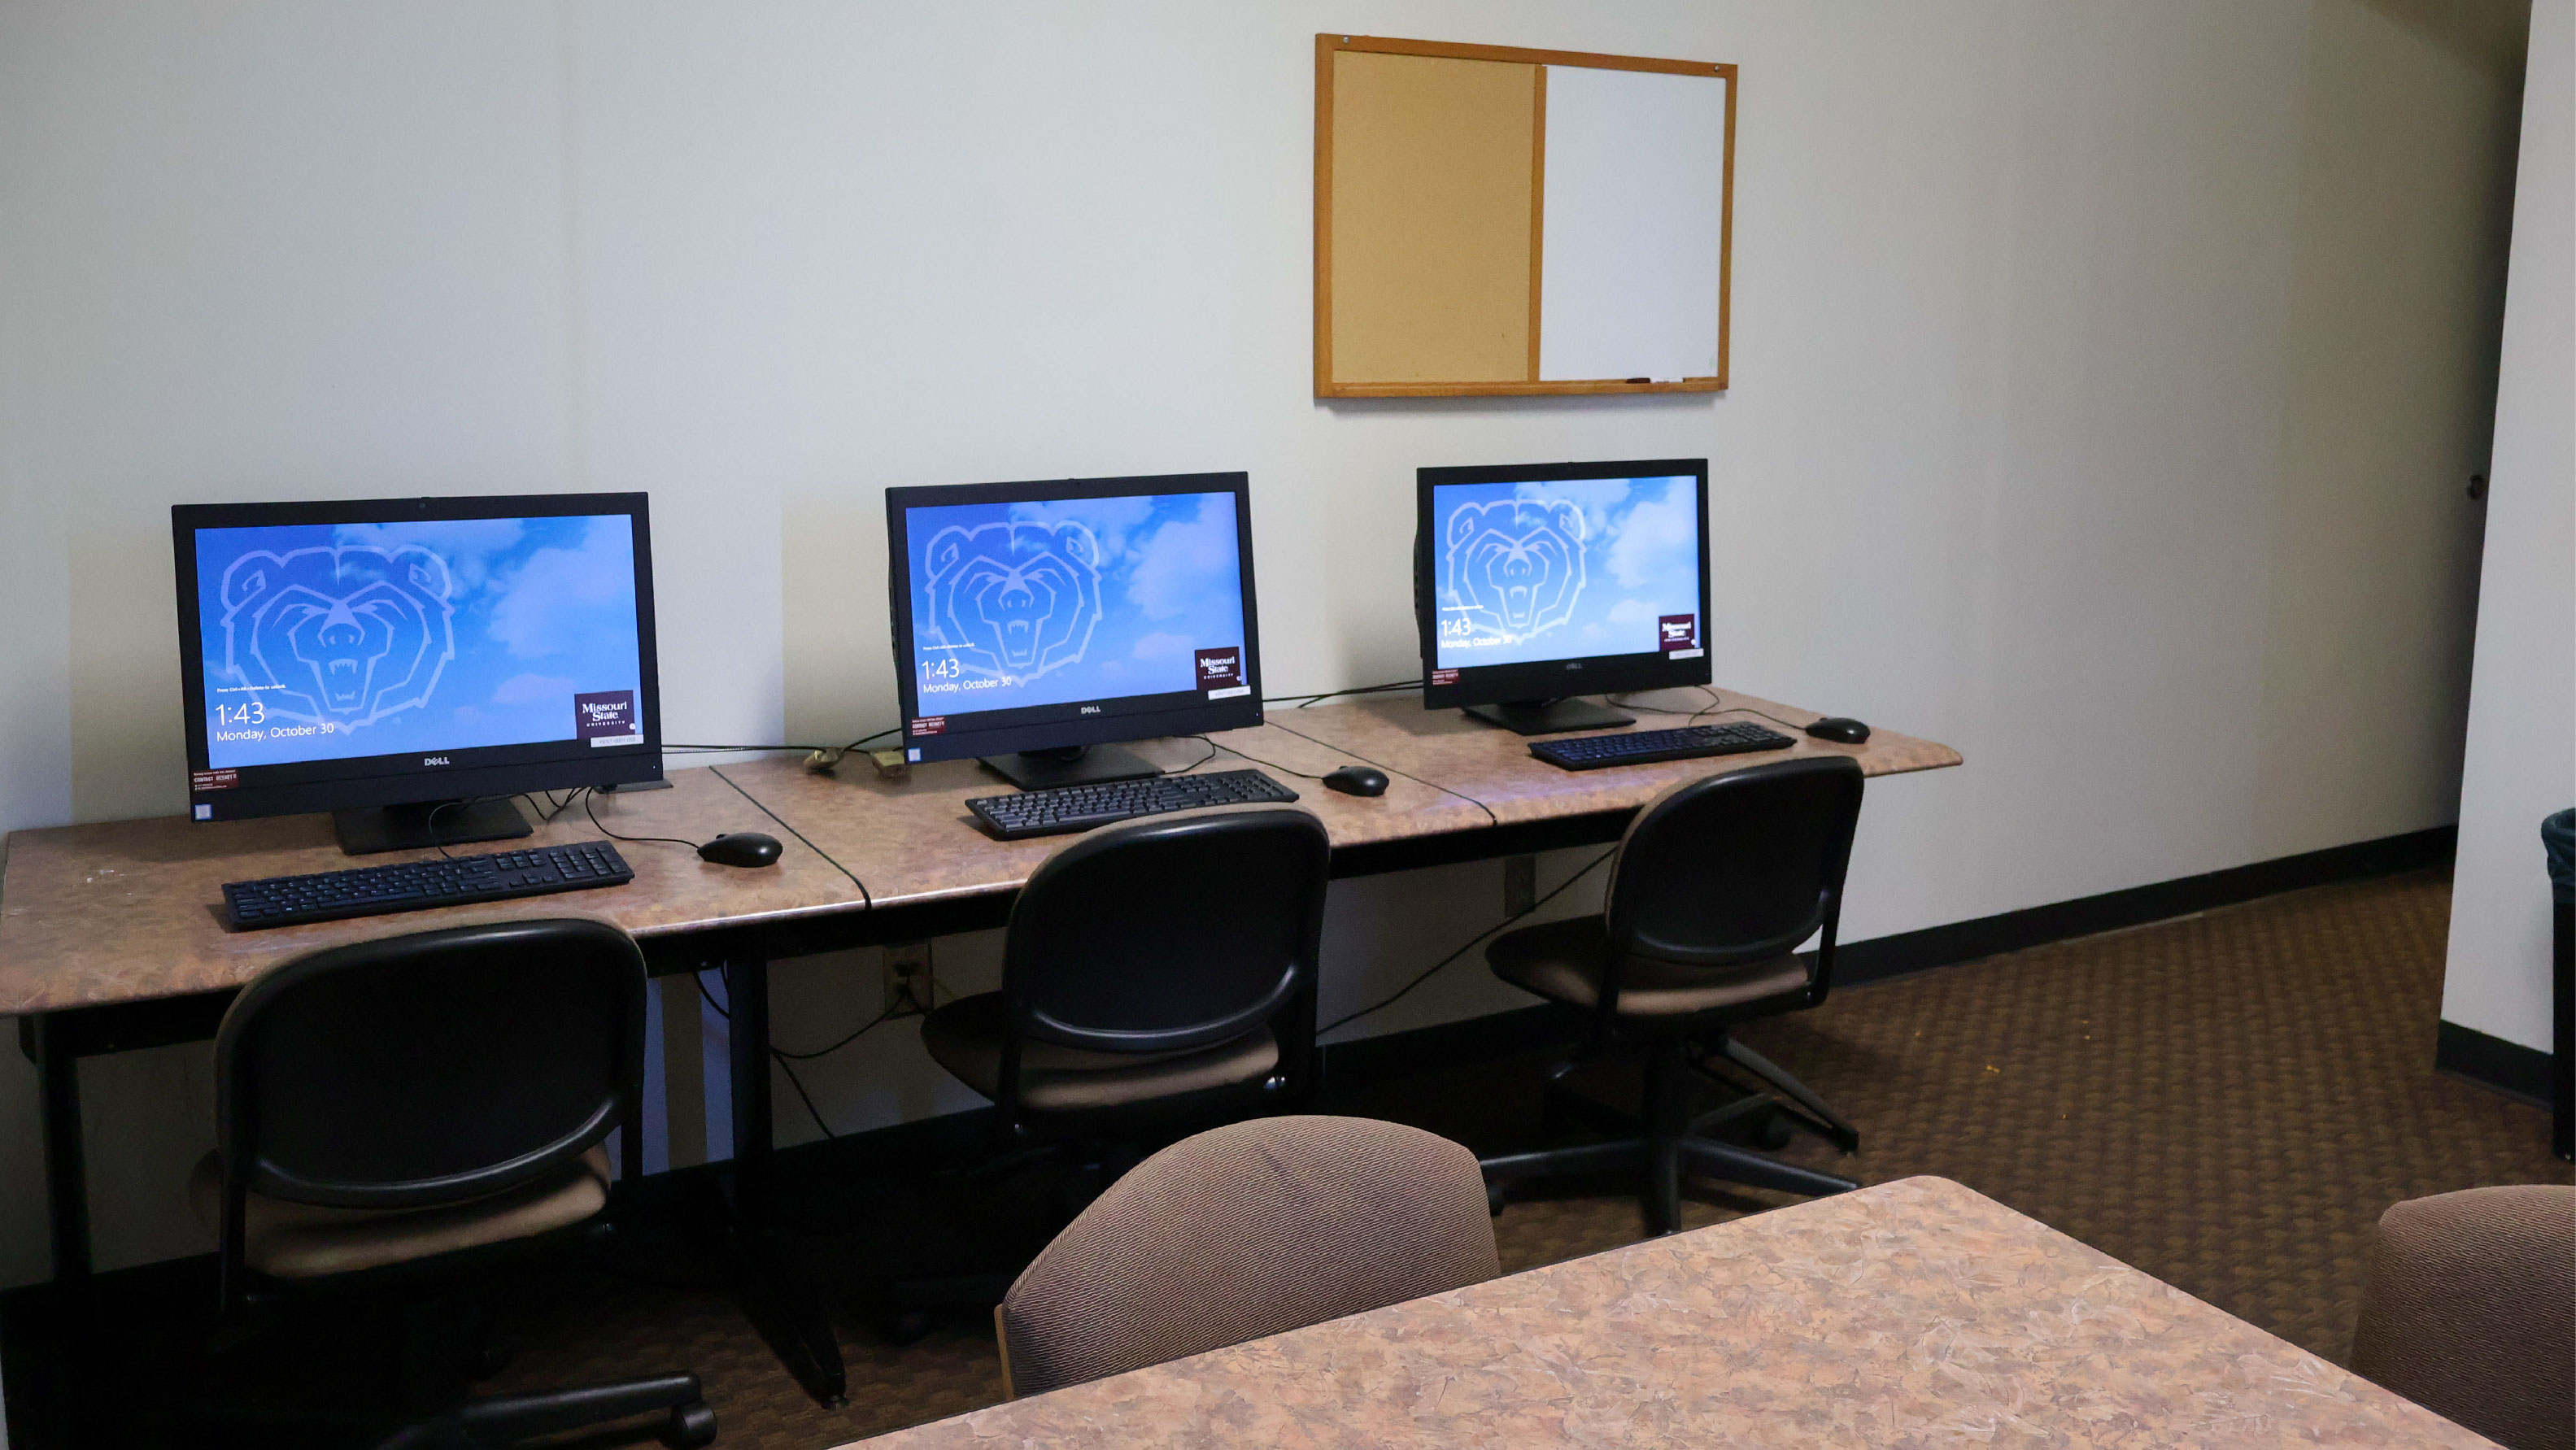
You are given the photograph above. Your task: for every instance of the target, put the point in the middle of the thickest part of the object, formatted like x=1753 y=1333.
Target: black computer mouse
x=1357 y=780
x=1842 y=728
x=742 y=848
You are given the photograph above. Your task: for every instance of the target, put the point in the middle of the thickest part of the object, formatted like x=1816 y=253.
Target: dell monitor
x=1538 y=583
x=409 y=664
x=1036 y=623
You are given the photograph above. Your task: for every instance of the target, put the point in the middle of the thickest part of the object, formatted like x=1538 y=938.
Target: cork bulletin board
x=1499 y=221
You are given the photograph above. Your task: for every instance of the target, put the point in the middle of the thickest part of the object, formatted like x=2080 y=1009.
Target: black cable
x=866 y=897
x=1490 y=817
x=1307 y=700
x=775 y=1055
x=873 y=1023
x=430 y=824
x=1213 y=748
x=712 y=749
x=1434 y=969
x=548 y=808
x=591 y=811
x=798 y=1083
x=853 y=745
x=1749 y=710
x=1717 y=706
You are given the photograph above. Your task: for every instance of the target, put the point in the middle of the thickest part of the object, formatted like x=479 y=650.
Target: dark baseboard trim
x=1881 y=958
x=1501 y=1034
x=2492 y=1063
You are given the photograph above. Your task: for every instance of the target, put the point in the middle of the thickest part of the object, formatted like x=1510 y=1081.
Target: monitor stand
x=1547 y=717
x=1081 y=765
x=407 y=827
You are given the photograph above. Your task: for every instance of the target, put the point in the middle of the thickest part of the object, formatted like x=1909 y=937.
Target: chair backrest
x=1168 y=933
x=1739 y=867
x=1251 y=1229
x=431 y=1068
x=2470 y=1311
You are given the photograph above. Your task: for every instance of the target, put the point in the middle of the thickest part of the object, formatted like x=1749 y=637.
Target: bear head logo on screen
x=343 y=636
x=1514 y=568
x=1013 y=600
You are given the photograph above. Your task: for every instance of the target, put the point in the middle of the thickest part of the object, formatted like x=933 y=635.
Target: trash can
x=2558 y=838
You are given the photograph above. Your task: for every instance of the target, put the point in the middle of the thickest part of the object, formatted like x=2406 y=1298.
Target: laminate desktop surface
x=1448 y=749
x=913 y=840
x=127 y=911
x=130 y=911
x=1911 y=1313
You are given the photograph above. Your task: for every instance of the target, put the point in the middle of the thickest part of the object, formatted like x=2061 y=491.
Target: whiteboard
x=1634 y=224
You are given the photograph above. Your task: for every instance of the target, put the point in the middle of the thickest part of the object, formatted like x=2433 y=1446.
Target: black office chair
x=1158 y=972
x=394 y=1114
x=1158 y=968
x=1717 y=882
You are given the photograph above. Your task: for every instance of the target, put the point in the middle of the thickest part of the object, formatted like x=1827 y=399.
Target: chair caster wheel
x=691 y=1426
x=904 y=1326
x=1775 y=1132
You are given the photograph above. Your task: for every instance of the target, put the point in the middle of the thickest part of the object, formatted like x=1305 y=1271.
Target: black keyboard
x=1638 y=747
x=416 y=885
x=1080 y=807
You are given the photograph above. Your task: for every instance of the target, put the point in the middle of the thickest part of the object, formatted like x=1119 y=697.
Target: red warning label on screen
x=930 y=725
x=213 y=779
x=1678 y=631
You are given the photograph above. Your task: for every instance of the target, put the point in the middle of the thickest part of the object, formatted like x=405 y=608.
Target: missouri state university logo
x=1512 y=569
x=1013 y=600
x=339 y=637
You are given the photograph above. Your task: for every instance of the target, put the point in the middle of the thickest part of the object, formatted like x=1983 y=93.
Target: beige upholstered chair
x=2471 y=1311
x=1246 y=1230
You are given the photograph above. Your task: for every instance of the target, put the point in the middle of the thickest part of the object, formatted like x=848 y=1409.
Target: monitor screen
x=1033 y=616
x=379 y=652
x=1563 y=579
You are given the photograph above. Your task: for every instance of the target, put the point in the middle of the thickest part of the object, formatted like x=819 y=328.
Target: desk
x=112 y=936
x=1913 y=1312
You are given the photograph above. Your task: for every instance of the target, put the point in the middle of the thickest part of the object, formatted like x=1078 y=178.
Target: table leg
x=778 y=1291
x=66 y=1172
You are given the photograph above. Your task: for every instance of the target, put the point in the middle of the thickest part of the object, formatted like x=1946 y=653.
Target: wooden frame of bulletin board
x=1433 y=196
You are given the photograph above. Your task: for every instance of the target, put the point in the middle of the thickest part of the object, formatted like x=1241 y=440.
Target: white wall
x=2522 y=702
x=2106 y=376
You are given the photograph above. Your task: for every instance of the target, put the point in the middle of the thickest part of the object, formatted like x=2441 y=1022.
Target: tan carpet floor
x=2227 y=1101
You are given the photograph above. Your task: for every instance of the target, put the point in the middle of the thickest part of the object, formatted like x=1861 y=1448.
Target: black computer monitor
x=407 y=664
x=1035 y=623
x=1538 y=583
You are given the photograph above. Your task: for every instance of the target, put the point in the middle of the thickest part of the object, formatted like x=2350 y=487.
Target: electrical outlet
x=907 y=975
x=1520 y=884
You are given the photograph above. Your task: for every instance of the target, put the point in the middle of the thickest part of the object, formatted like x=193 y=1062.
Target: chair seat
x=1568 y=960
x=965 y=1037
x=287 y=1240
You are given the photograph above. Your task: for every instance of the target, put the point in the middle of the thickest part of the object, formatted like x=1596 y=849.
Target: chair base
x=1667 y=1145
x=509 y=1420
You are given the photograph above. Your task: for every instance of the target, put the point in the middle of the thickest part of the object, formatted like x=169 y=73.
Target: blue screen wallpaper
x=1047 y=603
x=325 y=641
x=1565 y=570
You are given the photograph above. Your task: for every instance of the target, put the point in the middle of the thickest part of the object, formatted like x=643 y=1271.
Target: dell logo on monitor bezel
x=434 y=760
